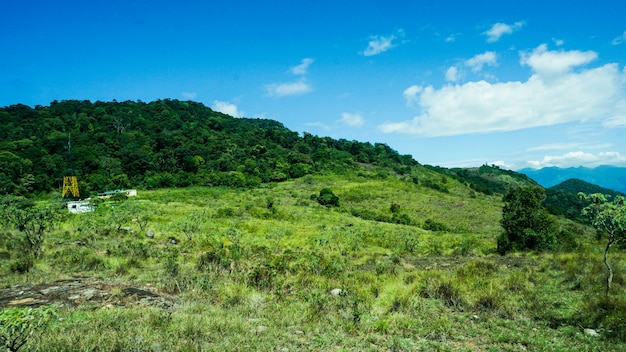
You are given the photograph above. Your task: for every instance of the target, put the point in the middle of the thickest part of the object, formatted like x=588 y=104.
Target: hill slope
x=165 y=143
x=487 y=179
x=171 y=143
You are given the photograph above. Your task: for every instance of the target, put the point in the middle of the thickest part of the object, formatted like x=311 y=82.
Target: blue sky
x=453 y=83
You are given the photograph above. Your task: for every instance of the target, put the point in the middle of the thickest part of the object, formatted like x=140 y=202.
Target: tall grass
x=271 y=269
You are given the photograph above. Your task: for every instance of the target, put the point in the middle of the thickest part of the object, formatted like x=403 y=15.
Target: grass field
x=270 y=269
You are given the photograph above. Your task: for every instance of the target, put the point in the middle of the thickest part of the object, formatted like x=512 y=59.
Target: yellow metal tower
x=70 y=183
x=70 y=187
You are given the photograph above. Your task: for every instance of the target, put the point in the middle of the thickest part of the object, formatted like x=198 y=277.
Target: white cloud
x=411 y=94
x=499 y=29
x=501 y=163
x=452 y=37
x=318 y=125
x=558 y=42
x=302 y=68
x=292 y=88
x=550 y=63
x=619 y=40
x=578 y=158
x=227 y=108
x=378 y=44
x=477 y=62
x=288 y=88
x=189 y=95
x=569 y=146
x=480 y=107
x=353 y=120
x=453 y=74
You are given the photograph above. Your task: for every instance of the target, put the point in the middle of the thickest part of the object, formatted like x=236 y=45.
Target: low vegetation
x=275 y=268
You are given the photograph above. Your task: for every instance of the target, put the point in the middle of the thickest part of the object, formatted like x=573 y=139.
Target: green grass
x=250 y=276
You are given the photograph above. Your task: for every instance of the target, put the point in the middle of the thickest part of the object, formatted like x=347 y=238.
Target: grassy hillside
x=397 y=265
x=487 y=179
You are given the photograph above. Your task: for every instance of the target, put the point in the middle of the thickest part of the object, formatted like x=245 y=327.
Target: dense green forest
x=563 y=198
x=165 y=143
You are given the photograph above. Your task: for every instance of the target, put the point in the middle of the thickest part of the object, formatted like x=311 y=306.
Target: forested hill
x=563 y=198
x=165 y=143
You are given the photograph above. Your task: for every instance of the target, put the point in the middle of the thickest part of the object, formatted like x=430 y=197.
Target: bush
x=328 y=198
x=22 y=265
x=445 y=292
x=432 y=225
x=77 y=258
x=18 y=325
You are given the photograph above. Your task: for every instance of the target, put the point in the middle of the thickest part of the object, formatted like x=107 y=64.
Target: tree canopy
x=164 y=143
x=526 y=224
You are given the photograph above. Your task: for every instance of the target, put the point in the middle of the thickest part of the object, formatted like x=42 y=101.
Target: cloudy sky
x=453 y=83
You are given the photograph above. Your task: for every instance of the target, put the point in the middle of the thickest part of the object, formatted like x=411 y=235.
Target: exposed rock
x=591 y=332
x=150 y=234
x=77 y=291
x=336 y=292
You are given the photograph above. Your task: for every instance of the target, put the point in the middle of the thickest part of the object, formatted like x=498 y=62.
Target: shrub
x=436 y=186
x=401 y=218
x=432 y=225
x=18 y=325
x=77 y=258
x=22 y=265
x=170 y=265
x=445 y=292
x=328 y=198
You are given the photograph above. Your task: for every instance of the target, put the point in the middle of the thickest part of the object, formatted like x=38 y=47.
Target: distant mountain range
x=610 y=177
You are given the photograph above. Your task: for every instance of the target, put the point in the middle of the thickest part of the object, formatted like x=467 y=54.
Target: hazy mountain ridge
x=610 y=177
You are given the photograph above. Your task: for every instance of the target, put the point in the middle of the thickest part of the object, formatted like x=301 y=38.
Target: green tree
x=610 y=218
x=527 y=225
x=32 y=222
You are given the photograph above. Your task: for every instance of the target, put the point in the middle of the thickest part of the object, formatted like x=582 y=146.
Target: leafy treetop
x=165 y=143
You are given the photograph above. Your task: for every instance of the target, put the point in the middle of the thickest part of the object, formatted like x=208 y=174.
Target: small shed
x=79 y=207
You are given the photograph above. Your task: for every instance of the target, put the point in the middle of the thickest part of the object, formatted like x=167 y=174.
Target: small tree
x=527 y=225
x=609 y=217
x=31 y=221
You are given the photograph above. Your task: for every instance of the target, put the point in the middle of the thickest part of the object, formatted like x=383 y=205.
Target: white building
x=79 y=207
